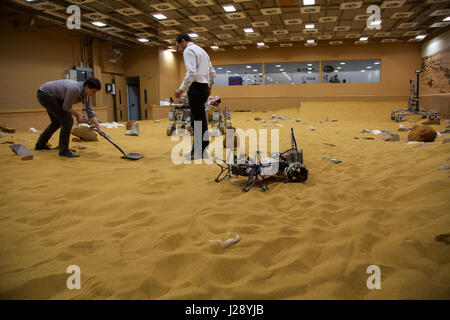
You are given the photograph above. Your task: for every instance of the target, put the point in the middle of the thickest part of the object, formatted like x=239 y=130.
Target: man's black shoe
x=69 y=155
x=36 y=147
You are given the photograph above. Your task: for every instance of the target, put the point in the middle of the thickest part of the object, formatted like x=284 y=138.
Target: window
x=351 y=71
x=291 y=73
x=238 y=75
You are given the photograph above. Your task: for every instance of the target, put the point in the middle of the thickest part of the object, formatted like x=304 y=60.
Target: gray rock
x=21 y=150
x=392 y=137
x=445 y=167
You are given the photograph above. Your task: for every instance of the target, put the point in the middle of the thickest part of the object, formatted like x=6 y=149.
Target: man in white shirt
x=200 y=77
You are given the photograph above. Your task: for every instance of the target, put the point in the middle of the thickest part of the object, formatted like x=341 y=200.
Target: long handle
x=115 y=145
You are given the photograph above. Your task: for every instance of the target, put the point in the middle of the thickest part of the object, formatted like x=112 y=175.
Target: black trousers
x=198 y=94
x=59 y=119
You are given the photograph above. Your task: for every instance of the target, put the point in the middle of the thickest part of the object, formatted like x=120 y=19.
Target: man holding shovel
x=57 y=97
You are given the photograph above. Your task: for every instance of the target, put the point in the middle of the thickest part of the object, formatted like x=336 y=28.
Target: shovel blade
x=133 y=156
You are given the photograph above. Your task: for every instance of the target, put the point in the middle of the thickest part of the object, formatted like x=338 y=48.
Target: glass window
x=351 y=71
x=238 y=75
x=291 y=73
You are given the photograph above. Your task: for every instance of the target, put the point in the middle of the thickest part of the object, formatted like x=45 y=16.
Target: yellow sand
x=140 y=229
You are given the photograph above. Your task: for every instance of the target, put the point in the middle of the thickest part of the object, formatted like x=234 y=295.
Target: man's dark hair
x=182 y=36
x=93 y=83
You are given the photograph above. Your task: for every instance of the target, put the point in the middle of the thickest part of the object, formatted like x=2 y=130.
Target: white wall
x=436 y=44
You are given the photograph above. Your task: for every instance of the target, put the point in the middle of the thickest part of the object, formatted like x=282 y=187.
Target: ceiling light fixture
x=142 y=40
x=420 y=37
x=363 y=39
x=229 y=8
x=310 y=41
x=215 y=48
x=99 y=24
x=159 y=16
x=193 y=35
x=309 y=26
x=309 y=2
x=260 y=44
x=446 y=19
x=248 y=30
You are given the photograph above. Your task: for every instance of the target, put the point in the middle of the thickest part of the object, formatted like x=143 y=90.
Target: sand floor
x=140 y=229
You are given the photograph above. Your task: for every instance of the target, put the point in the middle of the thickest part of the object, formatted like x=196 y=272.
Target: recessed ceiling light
x=229 y=8
x=99 y=24
x=309 y=68
x=309 y=64
x=255 y=70
x=278 y=66
x=336 y=70
x=142 y=40
x=248 y=30
x=310 y=41
x=363 y=70
x=420 y=37
x=193 y=35
x=219 y=68
x=375 y=23
x=248 y=67
x=281 y=69
x=368 y=67
x=342 y=63
x=159 y=16
x=215 y=47
x=260 y=44
x=309 y=2
x=309 y=71
x=339 y=68
x=363 y=39
x=446 y=19
x=376 y=63
x=172 y=50
x=309 y=26
x=228 y=71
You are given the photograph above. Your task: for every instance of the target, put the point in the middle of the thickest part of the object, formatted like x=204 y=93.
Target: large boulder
x=422 y=133
x=84 y=133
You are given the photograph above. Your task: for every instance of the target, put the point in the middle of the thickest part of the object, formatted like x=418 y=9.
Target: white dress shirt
x=198 y=67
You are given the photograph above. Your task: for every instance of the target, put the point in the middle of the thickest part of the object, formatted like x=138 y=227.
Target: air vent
x=402 y=15
x=285 y=45
x=324 y=37
x=96 y=16
x=260 y=24
x=361 y=17
x=201 y=3
x=48 y=6
x=411 y=33
x=112 y=29
x=333 y=43
x=270 y=40
x=407 y=25
x=170 y=32
x=224 y=36
x=361 y=42
x=382 y=34
x=239 y=47
x=144 y=35
x=296 y=38
x=388 y=40
x=327 y=19
x=443 y=12
x=220 y=43
x=227 y=26
x=310 y=44
x=200 y=17
x=130 y=11
x=252 y=34
x=280 y=32
x=392 y=4
x=263 y=47
x=137 y=25
x=351 y=5
x=269 y=11
x=235 y=15
x=352 y=35
x=315 y=9
x=199 y=29
x=245 y=41
x=310 y=31
x=292 y=21
x=169 y=23
x=163 y=6
x=341 y=28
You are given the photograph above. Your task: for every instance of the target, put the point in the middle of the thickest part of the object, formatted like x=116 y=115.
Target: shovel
x=131 y=156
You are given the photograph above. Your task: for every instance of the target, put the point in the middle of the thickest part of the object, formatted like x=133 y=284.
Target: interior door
x=134 y=102
x=145 y=96
x=121 y=98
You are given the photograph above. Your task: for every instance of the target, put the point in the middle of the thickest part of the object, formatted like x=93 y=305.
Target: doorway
x=134 y=98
